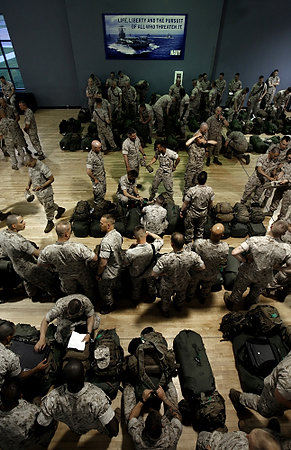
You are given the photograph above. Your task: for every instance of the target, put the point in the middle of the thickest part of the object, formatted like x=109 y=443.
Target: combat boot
x=216 y=161
x=60 y=212
x=208 y=161
x=49 y=226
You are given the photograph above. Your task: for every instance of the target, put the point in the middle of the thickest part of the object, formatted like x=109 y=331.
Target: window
x=8 y=62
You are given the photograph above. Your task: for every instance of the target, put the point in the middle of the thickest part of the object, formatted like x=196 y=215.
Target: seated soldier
x=237 y=145
x=70 y=311
x=127 y=189
x=157 y=431
x=17 y=419
x=80 y=405
x=9 y=362
x=154 y=216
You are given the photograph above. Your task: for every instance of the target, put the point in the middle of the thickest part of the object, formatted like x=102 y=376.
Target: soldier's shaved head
x=6 y=329
x=96 y=145
x=262 y=440
x=139 y=232
x=203 y=126
x=63 y=228
x=279 y=228
x=10 y=392
x=177 y=240
x=74 y=375
x=217 y=229
x=12 y=220
x=29 y=160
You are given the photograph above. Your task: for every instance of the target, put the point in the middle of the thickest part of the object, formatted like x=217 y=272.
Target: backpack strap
x=104 y=121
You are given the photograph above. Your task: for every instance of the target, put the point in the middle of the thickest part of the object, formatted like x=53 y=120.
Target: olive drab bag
x=264 y=319
x=152 y=363
x=108 y=355
x=205 y=406
x=241 y=213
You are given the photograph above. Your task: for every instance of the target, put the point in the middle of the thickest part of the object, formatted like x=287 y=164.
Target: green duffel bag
x=173 y=217
x=235 y=125
x=81 y=229
x=270 y=127
x=86 y=143
x=239 y=230
x=256 y=229
x=95 y=230
x=84 y=115
x=230 y=271
x=227 y=230
x=120 y=227
x=133 y=221
x=258 y=144
x=71 y=142
x=257 y=214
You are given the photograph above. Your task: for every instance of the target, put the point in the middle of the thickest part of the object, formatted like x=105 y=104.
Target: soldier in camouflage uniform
x=196 y=152
x=140 y=260
x=236 y=103
x=173 y=268
x=259 y=255
x=168 y=160
x=194 y=100
x=9 y=133
x=22 y=253
x=276 y=395
x=236 y=145
x=12 y=113
x=70 y=311
x=71 y=261
x=82 y=410
x=197 y=202
x=115 y=99
x=212 y=98
x=160 y=432
x=146 y=118
x=283 y=192
x=91 y=91
x=154 y=217
x=281 y=101
x=272 y=82
x=41 y=179
x=9 y=361
x=122 y=80
x=220 y=86
x=214 y=254
x=257 y=93
x=161 y=107
x=184 y=110
x=233 y=86
x=96 y=172
x=102 y=121
x=112 y=79
x=17 y=419
x=31 y=129
x=131 y=148
x=127 y=189
x=129 y=97
x=174 y=90
x=265 y=167
x=8 y=90
x=105 y=105
x=110 y=262
x=215 y=124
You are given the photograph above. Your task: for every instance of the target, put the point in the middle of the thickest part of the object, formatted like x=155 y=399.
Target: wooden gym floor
x=72 y=184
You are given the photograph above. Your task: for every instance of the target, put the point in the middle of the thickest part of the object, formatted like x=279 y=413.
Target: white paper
x=76 y=341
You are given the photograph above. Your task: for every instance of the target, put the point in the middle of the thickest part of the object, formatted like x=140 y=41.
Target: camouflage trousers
x=159 y=116
x=191 y=174
x=35 y=142
x=194 y=226
x=134 y=163
x=91 y=101
x=232 y=440
x=142 y=287
x=107 y=289
x=283 y=194
x=206 y=284
x=265 y=404
x=166 y=179
x=253 y=185
x=47 y=201
x=253 y=106
x=214 y=150
x=11 y=150
x=246 y=278
x=167 y=291
x=270 y=96
x=184 y=122
x=71 y=284
x=65 y=328
x=99 y=191
x=194 y=109
x=105 y=134
x=39 y=279
x=129 y=399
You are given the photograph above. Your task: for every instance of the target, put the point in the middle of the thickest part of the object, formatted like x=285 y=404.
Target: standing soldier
x=197 y=202
x=115 y=99
x=174 y=90
x=265 y=167
x=214 y=254
x=105 y=105
x=173 y=268
x=283 y=191
x=96 y=171
x=102 y=121
x=22 y=253
x=272 y=82
x=110 y=263
x=236 y=103
x=195 y=97
x=184 y=110
x=257 y=93
x=122 y=80
x=215 y=124
x=259 y=256
x=142 y=87
x=161 y=107
x=91 y=91
x=41 y=179
x=212 y=96
x=70 y=261
x=154 y=217
x=31 y=129
x=112 y=79
x=196 y=152
x=281 y=101
x=205 y=83
x=146 y=119
x=8 y=90
x=233 y=86
x=131 y=148
x=8 y=132
x=11 y=113
x=129 y=97
x=168 y=160
x=220 y=86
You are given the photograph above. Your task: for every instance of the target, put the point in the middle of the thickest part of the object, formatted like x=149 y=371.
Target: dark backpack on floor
x=173 y=217
x=63 y=127
x=95 y=230
x=256 y=229
x=133 y=220
x=8 y=277
x=71 y=142
x=81 y=229
x=82 y=212
x=227 y=231
x=239 y=230
x=256 y=213
x=241 y=213
x=206 y=405
x=84 y=115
